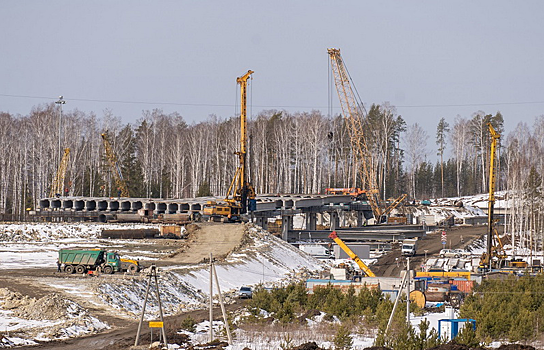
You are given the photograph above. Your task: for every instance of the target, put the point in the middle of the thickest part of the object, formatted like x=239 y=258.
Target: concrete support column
x=335 y=220
x=262 y=221
x=311 y=220
x=360 y=218
x=286 y=225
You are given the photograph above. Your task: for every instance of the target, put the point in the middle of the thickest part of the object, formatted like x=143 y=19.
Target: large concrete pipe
x=126 y=206
x=105 y=217
x=90 y=205
x=172 y=208
x=79 y=205
x=103 y=205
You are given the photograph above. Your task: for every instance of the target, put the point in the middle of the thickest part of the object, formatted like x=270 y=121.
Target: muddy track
x=392 y=263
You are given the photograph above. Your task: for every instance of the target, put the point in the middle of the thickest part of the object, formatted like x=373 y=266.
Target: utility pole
x=408 y=290
x=211 y=298
x=60 y=102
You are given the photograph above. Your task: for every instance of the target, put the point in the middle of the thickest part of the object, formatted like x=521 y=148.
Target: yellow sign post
x=155 y=324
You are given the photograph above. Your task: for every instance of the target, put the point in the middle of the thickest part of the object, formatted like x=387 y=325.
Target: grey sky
x=189 y=53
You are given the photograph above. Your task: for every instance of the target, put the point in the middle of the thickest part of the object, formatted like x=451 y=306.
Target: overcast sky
x=431 y=59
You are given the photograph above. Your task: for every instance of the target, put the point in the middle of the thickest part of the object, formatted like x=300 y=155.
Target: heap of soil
x=13 y=300
x=50 y=307
x=516 y=347
x=453 y=346
x=307 y=346
x=377 y=348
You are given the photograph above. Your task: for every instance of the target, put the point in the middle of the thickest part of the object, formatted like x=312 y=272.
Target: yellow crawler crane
x=58 y=183
x=354 y=112
x=114 y=164
x=366 y=270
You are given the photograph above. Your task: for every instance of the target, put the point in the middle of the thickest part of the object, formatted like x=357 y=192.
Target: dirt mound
x=12 y=300
x=307 y=346
x=377 y=348
x=516 y=347
x=50 y=307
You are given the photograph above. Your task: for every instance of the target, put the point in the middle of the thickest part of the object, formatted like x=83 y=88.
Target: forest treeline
x=163 y=156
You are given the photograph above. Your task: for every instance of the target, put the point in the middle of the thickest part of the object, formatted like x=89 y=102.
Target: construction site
x=120 y=272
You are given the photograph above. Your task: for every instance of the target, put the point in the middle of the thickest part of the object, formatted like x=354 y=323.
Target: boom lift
x=492 y=249
x=116 y=169
x=58 y=183
x=366 y=270
x=241 y=195
x=353 y=110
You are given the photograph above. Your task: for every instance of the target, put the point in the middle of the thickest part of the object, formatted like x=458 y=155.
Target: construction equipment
x=130 y=265
x=364 y=268
x=58 y=183
x=355 y=192
x=241 y=195
x=116 y=169
x=353 y=110
x=81 y=261
x=493 y=250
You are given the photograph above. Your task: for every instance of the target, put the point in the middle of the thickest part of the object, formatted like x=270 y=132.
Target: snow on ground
x=26 y=320
x=264 y=260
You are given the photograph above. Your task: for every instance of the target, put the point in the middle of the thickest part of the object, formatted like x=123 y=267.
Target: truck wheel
x=132 y=268
x=80 y=269
x=69 y=269
x=108 y=270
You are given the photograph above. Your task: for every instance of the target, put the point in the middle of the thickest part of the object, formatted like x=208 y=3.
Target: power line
x=272 y=106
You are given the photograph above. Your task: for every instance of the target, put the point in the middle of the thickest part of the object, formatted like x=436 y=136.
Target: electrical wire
x=274 y=106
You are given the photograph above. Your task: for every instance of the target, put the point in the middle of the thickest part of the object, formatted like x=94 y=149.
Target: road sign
x=444 y=237
x=155 y=324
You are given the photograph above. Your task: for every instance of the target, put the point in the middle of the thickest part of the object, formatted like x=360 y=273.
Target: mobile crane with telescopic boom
x=366 y=270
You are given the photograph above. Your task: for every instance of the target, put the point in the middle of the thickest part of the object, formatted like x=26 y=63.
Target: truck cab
x=113 y=260
x=409 y=247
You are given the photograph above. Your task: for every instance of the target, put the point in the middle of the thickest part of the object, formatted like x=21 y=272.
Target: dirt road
x=218 y=238
x=392 y=263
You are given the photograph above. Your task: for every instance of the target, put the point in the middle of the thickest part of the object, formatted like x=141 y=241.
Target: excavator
x=116 y=169
x=354 y=113
x=240 y=196
x=364 y=268
x=494 y=250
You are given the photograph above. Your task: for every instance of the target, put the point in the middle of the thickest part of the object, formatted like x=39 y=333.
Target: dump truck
x=82 y=260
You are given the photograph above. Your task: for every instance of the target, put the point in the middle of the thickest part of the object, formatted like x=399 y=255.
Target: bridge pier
x=311 y=221
x=286 y=225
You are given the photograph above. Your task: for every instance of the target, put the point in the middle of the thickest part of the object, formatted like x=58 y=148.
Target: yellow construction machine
x=57 y=189
x=354 y=112
x=241 y=195
x=494 y=250
x=364 y=268
x=116 y=169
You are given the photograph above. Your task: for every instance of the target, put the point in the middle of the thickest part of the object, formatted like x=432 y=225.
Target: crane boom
x=354 y=112
x=114 y=164
x=240 y=189
x=58 y=182
x=351 y=254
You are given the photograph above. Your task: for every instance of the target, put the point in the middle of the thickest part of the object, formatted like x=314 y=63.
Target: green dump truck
x=81 y=261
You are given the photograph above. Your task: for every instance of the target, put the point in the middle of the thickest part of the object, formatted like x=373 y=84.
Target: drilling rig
x=494 y=250
x=241 y=195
